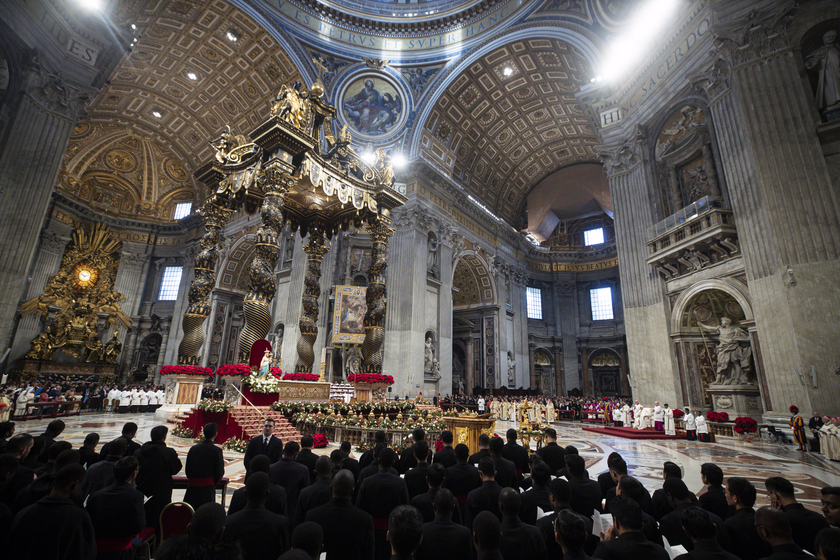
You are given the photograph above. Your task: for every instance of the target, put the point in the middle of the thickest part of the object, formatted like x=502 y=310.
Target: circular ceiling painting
x=372 y=106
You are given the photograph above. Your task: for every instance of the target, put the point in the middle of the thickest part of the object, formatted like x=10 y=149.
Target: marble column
x=469 y=370
x=130 y=281
x=166 y=327
x=559 y=373
x=785 y=207
x=587 y=383
x=532 y=366
x=444 y=314
x=176 y=332
x=39 y=131
x=127 y=355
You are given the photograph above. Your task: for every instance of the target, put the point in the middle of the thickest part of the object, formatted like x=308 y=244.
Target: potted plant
x=746 y=427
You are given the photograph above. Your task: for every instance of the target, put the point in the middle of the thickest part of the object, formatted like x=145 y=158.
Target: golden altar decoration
x=77 y=297
x=466 y=428
x=282 y=172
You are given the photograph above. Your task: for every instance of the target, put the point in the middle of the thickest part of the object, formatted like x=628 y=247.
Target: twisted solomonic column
x=379 y=232
x=315 y=249
x=215 y=218
x=262 y=283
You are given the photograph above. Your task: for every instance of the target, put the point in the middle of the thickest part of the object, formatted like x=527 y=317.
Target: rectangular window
x=534 y=298
x=602 y=306
x=170 y=283
x=182 y=210
x=593 y=237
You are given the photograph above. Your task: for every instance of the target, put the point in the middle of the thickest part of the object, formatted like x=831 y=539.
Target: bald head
x=509 y=502
x=342 y=484
x=773 y=526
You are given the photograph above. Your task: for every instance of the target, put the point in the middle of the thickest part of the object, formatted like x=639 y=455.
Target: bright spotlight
x=90 y=4
x=398 y=160
x=368 y=157
x=639 y=35
x=192 y=76
x=157 y=114
x=507 y=71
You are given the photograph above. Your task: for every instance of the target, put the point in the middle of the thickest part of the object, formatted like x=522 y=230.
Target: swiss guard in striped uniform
x=798 y=425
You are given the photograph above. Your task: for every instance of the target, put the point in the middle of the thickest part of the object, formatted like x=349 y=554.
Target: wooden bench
x=182 y=483
x=35 y=410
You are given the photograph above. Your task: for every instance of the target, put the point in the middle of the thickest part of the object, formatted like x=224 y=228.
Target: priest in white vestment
x=658 y=417
x=626 y=417
x=637 y=416
x=669 y=421
x=549 y=412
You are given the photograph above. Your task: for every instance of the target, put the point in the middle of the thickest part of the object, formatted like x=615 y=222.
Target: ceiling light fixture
x=133 y=26
x=156 y=113
x=192 y=76
x=639 y=35
x=232 y=35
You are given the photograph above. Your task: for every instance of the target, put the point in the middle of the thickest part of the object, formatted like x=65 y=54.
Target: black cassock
x=205 y=467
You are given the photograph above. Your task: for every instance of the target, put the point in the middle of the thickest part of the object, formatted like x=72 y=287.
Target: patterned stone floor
x=755 y=461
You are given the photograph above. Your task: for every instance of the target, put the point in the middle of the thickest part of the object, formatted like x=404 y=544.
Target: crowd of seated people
x=497 y=502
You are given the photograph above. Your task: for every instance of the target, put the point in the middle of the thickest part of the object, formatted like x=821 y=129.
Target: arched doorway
x=475 y=317
x=605 y=366
x=544 y=368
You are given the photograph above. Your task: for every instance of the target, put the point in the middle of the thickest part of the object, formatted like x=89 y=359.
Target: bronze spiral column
x=315 y=249
x=262 y=283
x=379 y=232
x=215 y=218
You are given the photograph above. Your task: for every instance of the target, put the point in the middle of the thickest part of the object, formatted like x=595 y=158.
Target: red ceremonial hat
x=793 y=408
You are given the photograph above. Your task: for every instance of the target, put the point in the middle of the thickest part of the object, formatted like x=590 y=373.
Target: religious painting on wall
x=373 y=106
x=349 y=315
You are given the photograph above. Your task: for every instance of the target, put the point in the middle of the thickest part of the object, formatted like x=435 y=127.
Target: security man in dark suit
x=553 y=455
x=205 y=468
x=348 y=531
x=444 y=539
x=260 y=533
x=290 y=474
x=463 y=478
x=276 y=500
x=586 y=493
x=378 y=496
x=266 y=444
x=446 y=456
x=486 y=497
x=624 y=540
x=317 y=493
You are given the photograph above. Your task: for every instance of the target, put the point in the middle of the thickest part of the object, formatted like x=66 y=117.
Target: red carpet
x=630 y=433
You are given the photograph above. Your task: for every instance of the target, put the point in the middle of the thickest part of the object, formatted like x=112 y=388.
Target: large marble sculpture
x=733 y=359
x=827 y=61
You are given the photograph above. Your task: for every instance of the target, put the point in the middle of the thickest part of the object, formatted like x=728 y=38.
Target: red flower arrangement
x=439 y=446
x=301 y=377
x=370 y=378
x=276 y=372
x=234 y=369
x=717 y=417
x=186 y=370
x=678 y=413
x=745 y=424
x=320 y=440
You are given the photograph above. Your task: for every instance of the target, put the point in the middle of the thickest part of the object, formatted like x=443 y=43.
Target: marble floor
x=754 y=461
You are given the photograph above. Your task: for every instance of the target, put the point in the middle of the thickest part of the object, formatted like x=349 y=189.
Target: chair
x=174 y=520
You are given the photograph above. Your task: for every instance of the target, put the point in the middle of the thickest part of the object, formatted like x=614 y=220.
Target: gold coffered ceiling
x=499 y=135
x=235 y=80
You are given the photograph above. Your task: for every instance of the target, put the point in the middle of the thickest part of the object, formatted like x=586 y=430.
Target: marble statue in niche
x=826 y=60
x=511 y=369
x=432 y=268
x=429 y=356
x=733 y=359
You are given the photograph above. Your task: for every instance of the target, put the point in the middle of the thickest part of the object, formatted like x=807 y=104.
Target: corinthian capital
x=52 y=93
x=626 y=156
x=714 y=82
x=760 y=34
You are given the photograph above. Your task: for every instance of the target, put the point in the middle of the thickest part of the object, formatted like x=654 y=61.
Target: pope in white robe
x=646 y=418
x=669 y=421
x=637 y=416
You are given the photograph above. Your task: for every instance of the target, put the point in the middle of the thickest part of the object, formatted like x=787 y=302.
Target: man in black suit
x=505 y=470
x=483 y=450
x=306 y=457
x=698 y=525
x=586 y=494
x=407 y=460
x=774 y=529
x=405 y=531
x=101 y=474
x=290 y=474
x=367 y=457
x=443 y=538
x=714 y=498
x=679 y=497
x=276 y=500
x=463 y=478
x=804 y=523
x=158 y=464
x=572 y=450
x=266 y=444
x=487 y=536
x=553 y=455
x=373 y=468
x=512 y=451
x=538 y=496
x=618 y=470
x=624 y=540
x=129 y=431
x=415 y=479
x=117 y=511
x=518 y=539
x=446 y=456
x=378 y=496
x=746 y=542
x=425 y=502
x=829 y=504
x=486 y=497
x=260 y=533
x=630 y=487
x=348 y=531
x=205 y=468
x=88 y=450
x=570 y=534
x=317 y=493
x=53 y=430
x=659 y=505
x=560 y=496
x=605 y=479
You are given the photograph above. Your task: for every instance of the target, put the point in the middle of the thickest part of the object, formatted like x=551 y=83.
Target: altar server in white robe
x=690 y=425
x=658 y=417
x=626 y=417
x=125 y=400
x=135 y=400
x=669 y=420
x=702 y=428
x=144 y=400
x=617 y=417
